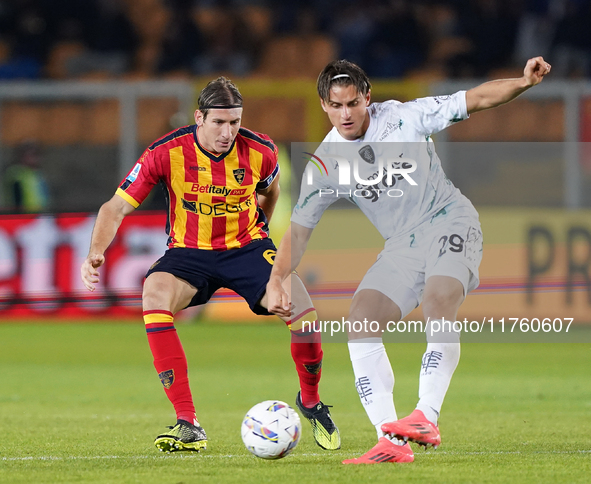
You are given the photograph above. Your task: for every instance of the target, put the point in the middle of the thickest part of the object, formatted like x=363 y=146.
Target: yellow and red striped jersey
x=212 y=199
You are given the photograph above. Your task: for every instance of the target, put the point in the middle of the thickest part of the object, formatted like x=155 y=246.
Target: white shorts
x=447 y=245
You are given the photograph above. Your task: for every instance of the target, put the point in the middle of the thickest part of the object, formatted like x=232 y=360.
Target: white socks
x=374 y=380
x=438 y=365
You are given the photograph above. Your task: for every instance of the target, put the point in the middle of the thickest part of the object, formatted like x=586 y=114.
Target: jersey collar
x=208 y=153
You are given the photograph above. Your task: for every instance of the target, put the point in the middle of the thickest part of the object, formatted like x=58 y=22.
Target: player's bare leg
x=163 y=296
x=374 y=306
x=306 y=351
x=442 y=298
x=165 y=291
x=374 y=378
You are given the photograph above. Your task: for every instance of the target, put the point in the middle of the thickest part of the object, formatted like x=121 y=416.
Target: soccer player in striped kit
x=433 y=240
x=223 y=183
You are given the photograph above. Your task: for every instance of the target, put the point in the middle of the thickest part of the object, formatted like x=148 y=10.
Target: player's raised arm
x=268 y=198
x=494 y=93
x=290 y=253
x=109 y=218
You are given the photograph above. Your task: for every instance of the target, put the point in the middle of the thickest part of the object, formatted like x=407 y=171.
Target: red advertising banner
x=40 y=258
x=536 y=263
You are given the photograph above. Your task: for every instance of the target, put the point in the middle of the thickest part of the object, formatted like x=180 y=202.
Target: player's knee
x=165 y=291
x=443 y=298
x=153 y=299
x=299 y=294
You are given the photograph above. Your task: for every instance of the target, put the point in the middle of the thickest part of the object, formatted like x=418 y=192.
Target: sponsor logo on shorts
x=269 y=256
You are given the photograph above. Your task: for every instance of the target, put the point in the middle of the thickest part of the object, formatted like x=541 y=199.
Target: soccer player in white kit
x=433 y=240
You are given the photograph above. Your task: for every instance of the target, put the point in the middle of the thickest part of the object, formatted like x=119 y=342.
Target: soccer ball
x=271 y=429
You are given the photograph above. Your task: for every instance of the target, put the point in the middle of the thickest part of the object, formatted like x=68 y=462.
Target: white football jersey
x=397 y=150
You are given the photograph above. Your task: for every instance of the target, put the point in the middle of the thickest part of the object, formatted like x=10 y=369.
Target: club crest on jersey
x=367 y=154
x=239 y=175
x=167 y=378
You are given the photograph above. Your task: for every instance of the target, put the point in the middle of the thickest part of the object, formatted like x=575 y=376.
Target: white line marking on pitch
x=228 y=456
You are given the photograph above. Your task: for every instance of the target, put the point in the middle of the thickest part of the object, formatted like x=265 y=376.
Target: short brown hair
x=346 y=74
x=219 y=92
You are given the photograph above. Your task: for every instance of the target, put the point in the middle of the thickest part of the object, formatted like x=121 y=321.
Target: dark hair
x=348 y=74
x=220 y=92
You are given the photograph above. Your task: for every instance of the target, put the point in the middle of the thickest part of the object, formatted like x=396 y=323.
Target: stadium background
x=91 y=83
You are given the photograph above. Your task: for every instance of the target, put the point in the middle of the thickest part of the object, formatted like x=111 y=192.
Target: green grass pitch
x=82 y=403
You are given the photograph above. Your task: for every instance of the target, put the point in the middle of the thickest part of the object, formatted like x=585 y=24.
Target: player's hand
x=88 y=271
x=535 y=70
x=278 y=300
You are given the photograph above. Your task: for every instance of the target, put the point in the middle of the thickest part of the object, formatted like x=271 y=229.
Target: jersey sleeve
x=314 y=199
x=136 y=186
x=432 y=114
x=270 y=166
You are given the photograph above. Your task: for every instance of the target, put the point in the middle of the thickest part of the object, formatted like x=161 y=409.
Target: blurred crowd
x=73 y=39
